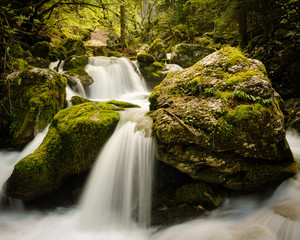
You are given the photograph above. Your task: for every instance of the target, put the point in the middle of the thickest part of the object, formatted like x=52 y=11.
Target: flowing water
x=116 y=202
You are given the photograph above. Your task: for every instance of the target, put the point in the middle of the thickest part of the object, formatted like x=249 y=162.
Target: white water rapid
x=116 y=202
x=119 y=188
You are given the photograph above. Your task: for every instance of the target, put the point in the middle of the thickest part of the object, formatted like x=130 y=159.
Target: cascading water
x=119 y=188
x=115 y=78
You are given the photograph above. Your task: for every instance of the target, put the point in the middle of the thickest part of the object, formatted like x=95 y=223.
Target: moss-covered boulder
x=57 y=53
x=76 y=62
x=76 y=100
x=29 y=103
x=75 y=71
x=70 y=147
x=219 y=121
x=73 y=47
x=186 y=55
x=100 y=51
x=78 y=74
x=153 y=73
x=123 y=104
x=145 y=58
x=157 y=50
x=40 y=49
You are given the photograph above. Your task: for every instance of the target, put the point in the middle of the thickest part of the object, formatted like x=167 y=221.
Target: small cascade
x=7 y=161
x=60 y=64
x=114 y=78
x=119 y=187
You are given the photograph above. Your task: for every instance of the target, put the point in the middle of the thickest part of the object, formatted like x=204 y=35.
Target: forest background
x=271 y=26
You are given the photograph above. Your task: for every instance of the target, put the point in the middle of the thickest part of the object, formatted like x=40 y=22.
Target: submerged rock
x=219 y=121
x=70 y=147
x=30 y=101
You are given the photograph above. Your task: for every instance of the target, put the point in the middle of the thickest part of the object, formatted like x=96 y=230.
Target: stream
x=116 y=201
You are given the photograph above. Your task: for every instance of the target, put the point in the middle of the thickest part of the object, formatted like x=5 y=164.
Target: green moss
x=16 y=51
x=19 y=64
x=242 y=76
x=243 y=113
x=114 y=54
x=76 y=62
x=123 y=104
x=57 y=53
x=145 y=58
x=233 y=57
x=198 y=193
x=99 y=51
x=76 y=100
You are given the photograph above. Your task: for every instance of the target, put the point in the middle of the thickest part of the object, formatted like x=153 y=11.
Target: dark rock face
x=219 y=121
x=30 y=101
x=280 y=54
x=293 y=111
x=70 y=147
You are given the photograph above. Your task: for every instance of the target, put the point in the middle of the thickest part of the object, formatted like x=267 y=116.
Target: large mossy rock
x=219 y=121
x=157 y=50
x=30 y=100
x=186 y=55
x=70 y=147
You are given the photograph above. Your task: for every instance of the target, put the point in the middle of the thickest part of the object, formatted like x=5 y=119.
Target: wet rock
x=219 y=121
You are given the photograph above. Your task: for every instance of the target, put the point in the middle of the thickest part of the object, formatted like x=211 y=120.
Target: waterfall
x=119 y=187
x=10 y=158
x=114 y=78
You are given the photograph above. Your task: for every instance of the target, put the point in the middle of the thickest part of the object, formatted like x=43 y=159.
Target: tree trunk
x=266 y=13
x=243 y=22
x=123 y=27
